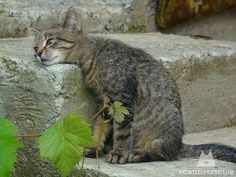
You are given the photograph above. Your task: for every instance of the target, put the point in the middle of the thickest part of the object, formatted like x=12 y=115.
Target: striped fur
x=154 y=128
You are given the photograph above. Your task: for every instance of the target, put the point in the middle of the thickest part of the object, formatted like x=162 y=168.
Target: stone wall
x=34 y=97
x=108 y=16
x=99 y=16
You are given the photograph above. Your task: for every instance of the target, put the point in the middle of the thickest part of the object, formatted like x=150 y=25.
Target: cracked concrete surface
x=179 y=168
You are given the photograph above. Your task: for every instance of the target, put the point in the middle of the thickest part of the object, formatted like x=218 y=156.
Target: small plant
x=63 y=143
x=118 y=111
x=8 y=146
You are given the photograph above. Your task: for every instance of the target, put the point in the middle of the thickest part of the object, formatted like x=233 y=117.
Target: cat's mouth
x=44 y=60
x=47 y=59
x=51 y=61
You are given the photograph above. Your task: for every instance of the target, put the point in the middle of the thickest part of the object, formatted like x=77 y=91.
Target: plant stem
x=99 y=112
x=83 y=156
x=32 y=135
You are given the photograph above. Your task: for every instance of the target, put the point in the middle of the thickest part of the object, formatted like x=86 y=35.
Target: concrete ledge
x=177 y=168
x=34 y=97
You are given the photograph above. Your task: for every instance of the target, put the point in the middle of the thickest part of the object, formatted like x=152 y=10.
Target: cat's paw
x=136 y=156
x=117 y=158
x=90 y=152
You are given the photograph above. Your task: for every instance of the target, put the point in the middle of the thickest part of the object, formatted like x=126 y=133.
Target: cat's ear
x=72 y=22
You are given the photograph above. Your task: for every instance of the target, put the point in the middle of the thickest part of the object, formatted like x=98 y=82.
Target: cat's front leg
x=101 y=130
x=122 y=142
x=100 y=133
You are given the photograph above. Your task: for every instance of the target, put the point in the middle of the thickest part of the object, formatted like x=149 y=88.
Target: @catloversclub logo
x=206 y=164
x=206 y=160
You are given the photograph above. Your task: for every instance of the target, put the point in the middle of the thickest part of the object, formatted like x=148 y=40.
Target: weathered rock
x=106 y=16
x=13 y=27
x=16 y=17
x=143 y=16
x=34 y=97
x=98 y=16
x=179 y=168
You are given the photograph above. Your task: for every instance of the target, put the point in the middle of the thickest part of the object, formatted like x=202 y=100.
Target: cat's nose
x=37 y=51
x=39 y=54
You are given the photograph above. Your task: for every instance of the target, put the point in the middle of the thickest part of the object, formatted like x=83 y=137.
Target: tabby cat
x=117 y=72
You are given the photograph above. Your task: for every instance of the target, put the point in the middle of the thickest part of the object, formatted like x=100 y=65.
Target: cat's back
x=125 y=53
x=115 y=49
x=114 y=53
x=122 y=59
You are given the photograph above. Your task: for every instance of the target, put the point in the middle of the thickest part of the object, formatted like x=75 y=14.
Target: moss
x=133 y=28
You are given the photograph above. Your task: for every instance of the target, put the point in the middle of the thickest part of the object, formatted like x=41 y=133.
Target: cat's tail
x=219 y=151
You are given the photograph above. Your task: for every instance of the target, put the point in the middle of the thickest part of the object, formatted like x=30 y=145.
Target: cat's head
x=53 y=45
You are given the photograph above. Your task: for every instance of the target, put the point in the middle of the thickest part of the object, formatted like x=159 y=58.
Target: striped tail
x=219 y=151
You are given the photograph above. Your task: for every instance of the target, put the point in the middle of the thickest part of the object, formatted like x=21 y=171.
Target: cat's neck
x=82 y=53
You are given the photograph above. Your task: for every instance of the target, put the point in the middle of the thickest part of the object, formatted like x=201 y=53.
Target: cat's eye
x=50 y=42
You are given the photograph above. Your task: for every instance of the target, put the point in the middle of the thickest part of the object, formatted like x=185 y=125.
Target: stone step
x=34 y=96
x=179 y=168
x=98 y=16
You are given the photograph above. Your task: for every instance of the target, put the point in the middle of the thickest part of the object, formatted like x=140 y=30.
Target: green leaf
x=118 y=111
x=119 y=117
x=8 y=146
x=63 y=143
